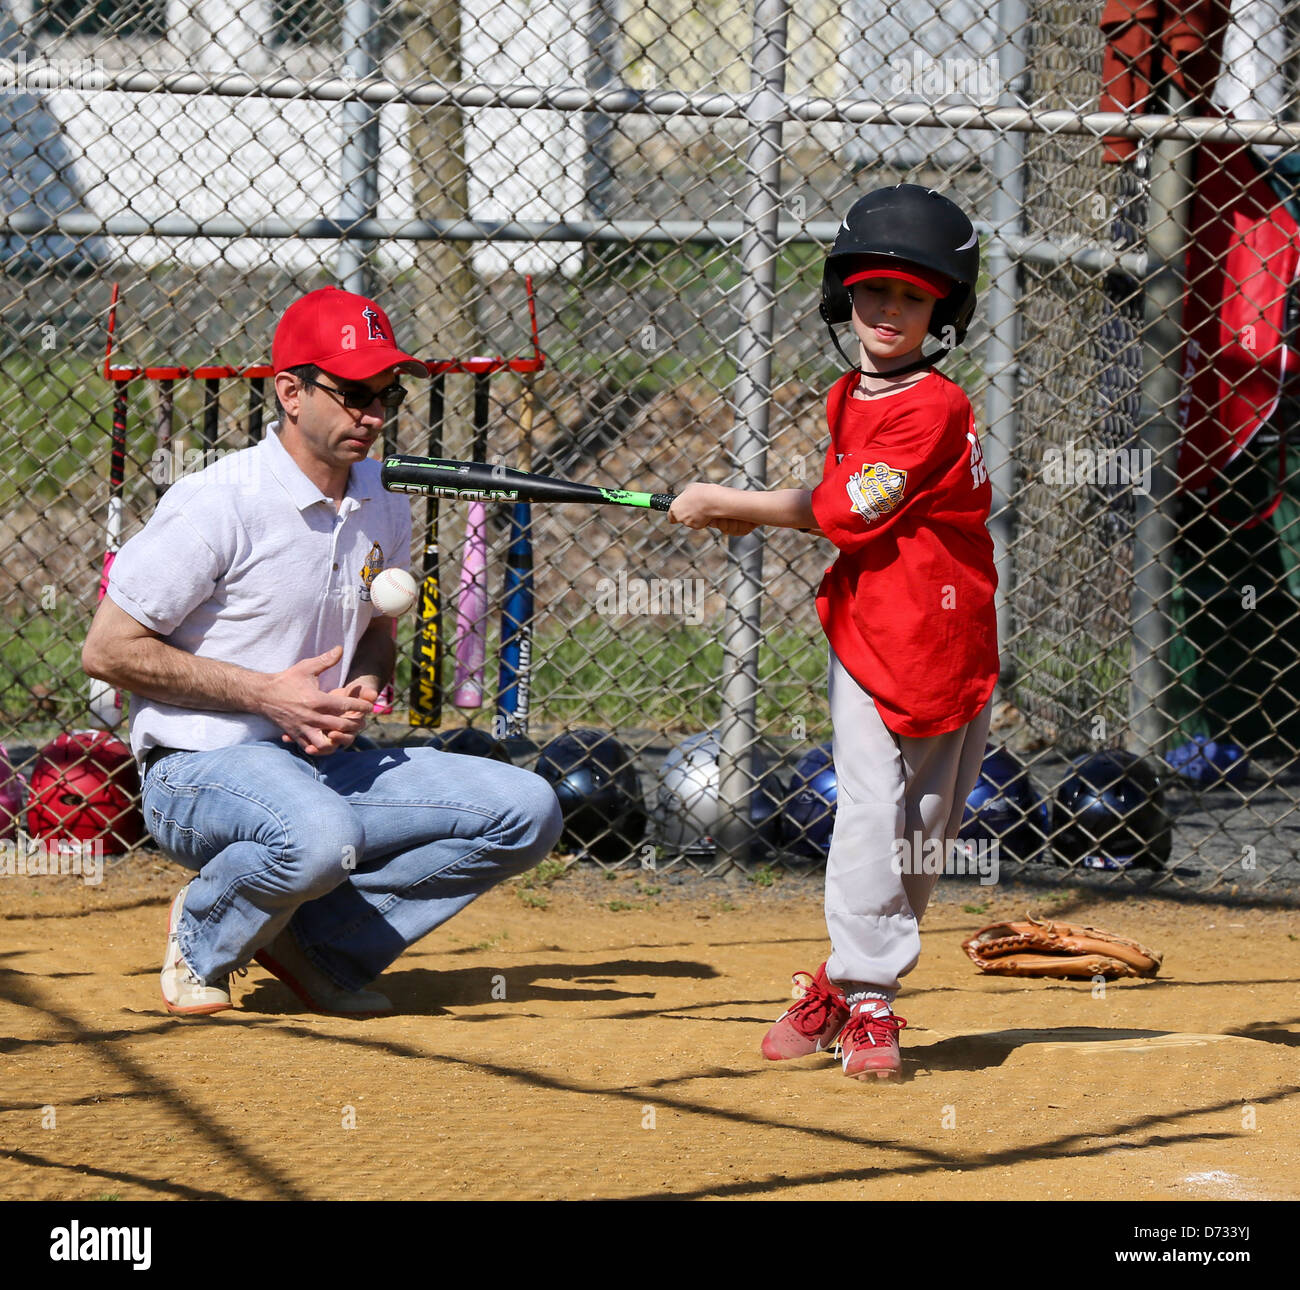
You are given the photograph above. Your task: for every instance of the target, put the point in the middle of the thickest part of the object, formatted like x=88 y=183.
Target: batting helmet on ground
x=686 y=807
x=85 y=787
x=1005 y=808
x=469 y=742
x=810 y=816
x=1109 y=813
x=1209 y=763
x=599 y=792
x=12 y=789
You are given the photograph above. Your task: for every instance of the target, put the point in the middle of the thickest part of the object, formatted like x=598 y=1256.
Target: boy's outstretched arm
x=738 y=510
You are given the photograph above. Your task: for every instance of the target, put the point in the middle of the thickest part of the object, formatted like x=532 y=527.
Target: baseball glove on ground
x=1037 y=947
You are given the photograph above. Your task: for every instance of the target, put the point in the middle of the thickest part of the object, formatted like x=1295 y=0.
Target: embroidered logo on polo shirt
x=876 y=490
x=373 y=565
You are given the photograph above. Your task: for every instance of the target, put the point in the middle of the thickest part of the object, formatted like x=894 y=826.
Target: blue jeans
x=361 y=853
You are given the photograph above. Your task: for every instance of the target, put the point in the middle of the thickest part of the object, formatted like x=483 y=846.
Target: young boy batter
x=907 y=607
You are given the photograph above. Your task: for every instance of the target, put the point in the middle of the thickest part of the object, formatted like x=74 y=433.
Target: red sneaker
x=811 y=1024
x=869 y=1041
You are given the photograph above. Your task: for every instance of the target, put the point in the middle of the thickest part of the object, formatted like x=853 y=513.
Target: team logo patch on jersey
x=876 y=490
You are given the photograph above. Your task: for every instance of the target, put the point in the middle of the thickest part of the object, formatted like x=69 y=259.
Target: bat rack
x=258 y=372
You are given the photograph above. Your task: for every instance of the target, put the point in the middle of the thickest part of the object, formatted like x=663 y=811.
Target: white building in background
x=528 y=166
x=916 y=51
x=155 y=155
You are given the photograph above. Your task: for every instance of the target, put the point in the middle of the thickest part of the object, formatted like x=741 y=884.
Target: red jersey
x=908 y=605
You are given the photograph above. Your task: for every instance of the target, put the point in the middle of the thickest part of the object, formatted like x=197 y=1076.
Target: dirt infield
x=606 y=1045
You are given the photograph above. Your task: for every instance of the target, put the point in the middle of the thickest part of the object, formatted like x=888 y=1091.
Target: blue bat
x=515 y=676
x=514 y=682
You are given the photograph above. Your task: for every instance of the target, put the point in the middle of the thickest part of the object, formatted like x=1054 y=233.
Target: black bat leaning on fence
x=426 y=653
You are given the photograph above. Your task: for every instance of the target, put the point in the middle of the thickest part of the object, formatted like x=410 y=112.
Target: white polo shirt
x=248 y=562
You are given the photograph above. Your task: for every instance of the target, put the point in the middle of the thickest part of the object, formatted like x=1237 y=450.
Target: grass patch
x=1079 y=677
x=1056 y=898
x=584 y=675
x=529 y=888
x=44 y=649
x=589 y=674
x=545 y=873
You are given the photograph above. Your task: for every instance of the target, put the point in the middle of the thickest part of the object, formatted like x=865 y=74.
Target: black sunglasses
x=357 y=398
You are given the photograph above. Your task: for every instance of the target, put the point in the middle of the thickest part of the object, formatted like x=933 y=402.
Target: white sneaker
x=284 y=959
x=182 y=991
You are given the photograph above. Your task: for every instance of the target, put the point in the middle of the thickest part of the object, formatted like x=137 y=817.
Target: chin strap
x=926 y=360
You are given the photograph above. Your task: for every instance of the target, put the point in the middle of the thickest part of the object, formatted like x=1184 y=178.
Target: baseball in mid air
x=393 y=592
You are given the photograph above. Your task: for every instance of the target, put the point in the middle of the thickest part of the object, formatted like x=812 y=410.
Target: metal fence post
x=1158 y=434
x=751 y=399
x=599 y=128
x=1001 y=312
x=359 y=163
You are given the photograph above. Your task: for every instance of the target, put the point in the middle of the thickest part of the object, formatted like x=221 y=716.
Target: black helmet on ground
x=599 y=793
x=1109 y=813
x=468 y=741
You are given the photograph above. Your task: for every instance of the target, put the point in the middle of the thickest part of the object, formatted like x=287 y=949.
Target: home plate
x=1004 y=1046
x=1136 y=1045
x=1236 y=1188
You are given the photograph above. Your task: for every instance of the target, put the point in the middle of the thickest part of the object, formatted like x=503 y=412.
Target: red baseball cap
x=885 y=266
x=343 y=334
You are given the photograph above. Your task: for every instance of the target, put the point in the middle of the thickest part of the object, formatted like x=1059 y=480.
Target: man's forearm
x=376 y=656
x=155 y=670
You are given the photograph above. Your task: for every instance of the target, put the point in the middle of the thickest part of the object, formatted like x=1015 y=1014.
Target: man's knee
x=323 y=851
x=535 y=824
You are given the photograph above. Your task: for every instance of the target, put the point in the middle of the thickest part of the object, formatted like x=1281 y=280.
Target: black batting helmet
x=468 y=741
x=599 y=792
x=911 y=225
x=1110 y=813
x=1005 y=808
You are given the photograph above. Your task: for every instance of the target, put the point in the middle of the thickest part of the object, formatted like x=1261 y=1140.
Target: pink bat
x=472 y=612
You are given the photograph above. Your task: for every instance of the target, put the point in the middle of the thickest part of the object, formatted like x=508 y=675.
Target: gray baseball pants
x=892 y=792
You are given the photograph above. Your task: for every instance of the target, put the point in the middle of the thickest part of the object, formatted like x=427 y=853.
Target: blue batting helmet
x=810 y=817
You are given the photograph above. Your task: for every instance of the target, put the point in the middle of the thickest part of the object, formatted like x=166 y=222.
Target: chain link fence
x=671 y=176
